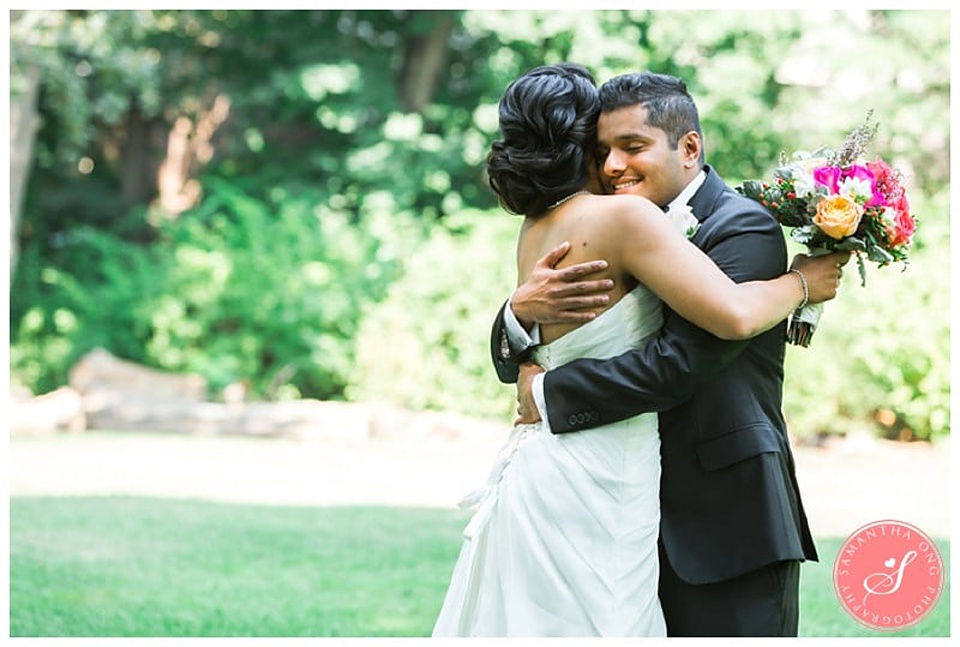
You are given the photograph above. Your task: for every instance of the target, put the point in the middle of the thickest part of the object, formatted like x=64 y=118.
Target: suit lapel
x=703 y=201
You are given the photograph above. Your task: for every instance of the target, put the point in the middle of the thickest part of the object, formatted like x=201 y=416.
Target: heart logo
x=892 y=565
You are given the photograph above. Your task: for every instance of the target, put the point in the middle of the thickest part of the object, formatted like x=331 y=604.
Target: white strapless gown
x=564 y=540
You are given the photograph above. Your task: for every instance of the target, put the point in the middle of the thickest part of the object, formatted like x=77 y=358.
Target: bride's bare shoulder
x=633 y=211
x=634 y=203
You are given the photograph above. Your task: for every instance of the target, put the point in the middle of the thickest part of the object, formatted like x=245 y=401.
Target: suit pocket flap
x=738 y=445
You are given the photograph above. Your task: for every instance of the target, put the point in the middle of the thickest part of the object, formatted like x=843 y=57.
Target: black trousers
x=764 y=602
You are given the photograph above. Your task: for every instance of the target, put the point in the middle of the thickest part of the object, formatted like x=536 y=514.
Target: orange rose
x=838 y=216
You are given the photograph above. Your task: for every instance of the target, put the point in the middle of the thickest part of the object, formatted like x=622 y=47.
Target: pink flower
x=887 y=182
x=828 y=176
x=904 y=224
x=901 y=203
x=857 y=172
x=832 y=176
x=881 y=170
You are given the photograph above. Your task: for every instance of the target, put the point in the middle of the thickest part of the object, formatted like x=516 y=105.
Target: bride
x=564 y=539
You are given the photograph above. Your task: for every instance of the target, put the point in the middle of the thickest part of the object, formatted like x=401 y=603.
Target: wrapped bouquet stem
x=804 y=320
x=833 y=200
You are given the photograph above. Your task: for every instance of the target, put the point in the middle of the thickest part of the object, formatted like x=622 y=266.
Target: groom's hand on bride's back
x=551 y=295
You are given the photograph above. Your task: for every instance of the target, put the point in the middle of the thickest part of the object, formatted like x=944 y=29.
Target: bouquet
x=832 y=200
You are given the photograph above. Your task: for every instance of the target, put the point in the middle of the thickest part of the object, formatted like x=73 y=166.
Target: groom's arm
x=666 y=371
x=660 y=375
x=510 y=344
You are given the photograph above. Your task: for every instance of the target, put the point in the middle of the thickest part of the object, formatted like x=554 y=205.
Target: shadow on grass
x=132 y=566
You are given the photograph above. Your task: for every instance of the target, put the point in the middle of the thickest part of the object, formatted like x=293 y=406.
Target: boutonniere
x=682 y=216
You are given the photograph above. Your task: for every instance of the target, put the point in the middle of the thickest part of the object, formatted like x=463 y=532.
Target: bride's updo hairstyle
x=548 y=126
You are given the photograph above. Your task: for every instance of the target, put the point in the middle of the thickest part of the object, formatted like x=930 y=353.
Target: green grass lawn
x=127 y=566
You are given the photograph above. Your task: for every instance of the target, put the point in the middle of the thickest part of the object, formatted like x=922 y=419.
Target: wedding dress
x=564 y=539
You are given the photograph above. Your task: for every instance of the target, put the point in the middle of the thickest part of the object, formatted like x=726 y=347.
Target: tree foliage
x=255 y=195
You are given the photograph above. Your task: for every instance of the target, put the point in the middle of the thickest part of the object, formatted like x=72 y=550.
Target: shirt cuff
x=540 y=400
x=518 y=337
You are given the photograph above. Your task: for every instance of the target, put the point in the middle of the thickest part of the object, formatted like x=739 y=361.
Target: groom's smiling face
x=635 y=157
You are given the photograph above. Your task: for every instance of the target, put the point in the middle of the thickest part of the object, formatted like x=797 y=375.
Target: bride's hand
x=823 y=273
x=551 y=295
x=527 y=412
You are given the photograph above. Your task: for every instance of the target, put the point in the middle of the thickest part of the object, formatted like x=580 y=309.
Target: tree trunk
x=424 y=56
x=138 y=157
x=189 y=147
x=24 y=123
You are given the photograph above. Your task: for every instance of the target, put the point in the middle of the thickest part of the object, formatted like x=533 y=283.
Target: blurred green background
x=294 y=199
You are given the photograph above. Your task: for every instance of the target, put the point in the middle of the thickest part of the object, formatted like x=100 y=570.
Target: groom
x=733 y=531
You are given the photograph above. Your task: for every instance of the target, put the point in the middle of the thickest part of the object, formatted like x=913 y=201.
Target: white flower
x=854 y=188
x=682 y=216
x=889 y=216
x=803 y=183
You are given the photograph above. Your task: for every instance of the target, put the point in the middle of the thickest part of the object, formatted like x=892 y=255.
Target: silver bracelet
x=806 y=290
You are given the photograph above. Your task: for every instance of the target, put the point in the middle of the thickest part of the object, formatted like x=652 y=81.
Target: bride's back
x=585 y=223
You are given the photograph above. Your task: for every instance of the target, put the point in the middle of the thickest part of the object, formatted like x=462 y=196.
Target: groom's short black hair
x=669 y=106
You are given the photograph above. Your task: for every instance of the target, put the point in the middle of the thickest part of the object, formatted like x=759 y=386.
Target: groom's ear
x=691 y=149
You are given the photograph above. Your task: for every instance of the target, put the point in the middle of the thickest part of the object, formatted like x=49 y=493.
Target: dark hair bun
x=548 y=125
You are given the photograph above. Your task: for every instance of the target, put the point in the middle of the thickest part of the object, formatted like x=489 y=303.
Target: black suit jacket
x=729 y=497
